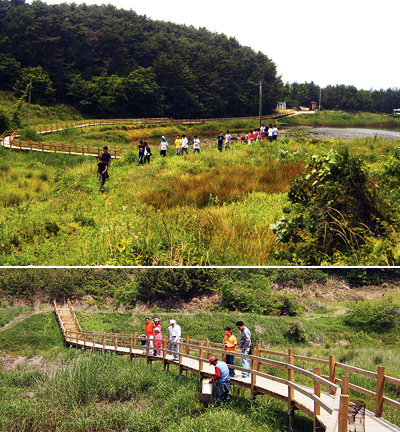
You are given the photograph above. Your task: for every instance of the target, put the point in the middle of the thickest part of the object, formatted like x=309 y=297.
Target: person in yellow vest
x=230 y=343
x=178 y=145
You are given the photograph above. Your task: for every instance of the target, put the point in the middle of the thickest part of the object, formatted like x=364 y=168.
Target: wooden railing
x=200 y=351
x=75 y=318
x=334 y=366
x=64 y=148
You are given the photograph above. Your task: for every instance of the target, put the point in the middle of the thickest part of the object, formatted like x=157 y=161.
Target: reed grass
x=205 y=209
x=94 y=392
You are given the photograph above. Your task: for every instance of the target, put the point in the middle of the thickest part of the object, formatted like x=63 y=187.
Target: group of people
x=152 y=341
x=182 y=147
x=153 y=334
x=223 y=372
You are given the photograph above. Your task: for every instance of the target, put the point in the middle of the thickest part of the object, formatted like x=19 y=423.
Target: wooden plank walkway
x=303 y=397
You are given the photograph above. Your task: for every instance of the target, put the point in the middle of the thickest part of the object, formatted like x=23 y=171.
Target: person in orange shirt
x=230 y=343
x=149 y=330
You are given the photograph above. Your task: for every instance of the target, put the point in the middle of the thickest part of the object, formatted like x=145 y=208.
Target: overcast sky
x=349 y=42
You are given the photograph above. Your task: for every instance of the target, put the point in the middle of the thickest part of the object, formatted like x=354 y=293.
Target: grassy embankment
x=209 y=208
x=341 y=118
x=65 y=389
x=68 y=390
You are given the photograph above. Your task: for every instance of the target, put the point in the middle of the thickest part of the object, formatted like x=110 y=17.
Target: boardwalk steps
x=328 y=407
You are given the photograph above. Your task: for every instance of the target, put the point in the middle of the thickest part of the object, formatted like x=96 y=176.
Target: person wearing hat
x=163 y=147
x=157 y=323
x=230 y=343
x=174 y=331
x=158 y=341
x=221 y=376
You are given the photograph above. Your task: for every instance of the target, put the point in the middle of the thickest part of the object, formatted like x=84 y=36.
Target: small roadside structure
x=396 y=112
x=313 y=106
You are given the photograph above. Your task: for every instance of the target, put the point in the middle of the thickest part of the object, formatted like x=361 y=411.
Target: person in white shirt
x=196 y=145
x=174 y=331
x=275 y=133
x=163 y=147
x=185 y=144
x=228 y=139
x=270 y=133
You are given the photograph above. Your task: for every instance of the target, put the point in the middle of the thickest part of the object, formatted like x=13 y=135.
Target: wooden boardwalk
x=328 y=408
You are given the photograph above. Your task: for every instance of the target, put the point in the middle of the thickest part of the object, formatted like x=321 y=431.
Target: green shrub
x=380 y=316
x=30 y=134
x=296 y=332
x=299 y=277
x=255 y=295
x=335 y=206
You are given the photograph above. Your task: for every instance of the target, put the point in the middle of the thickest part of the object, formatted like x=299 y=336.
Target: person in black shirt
x=220 y=141
x=141 y=153
x=101 y=172
x=107 y=160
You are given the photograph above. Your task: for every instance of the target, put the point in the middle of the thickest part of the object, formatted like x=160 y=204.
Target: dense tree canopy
x=341 y=97
x=114 y=62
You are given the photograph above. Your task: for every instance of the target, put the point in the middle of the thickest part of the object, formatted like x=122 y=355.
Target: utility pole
x=319 y=108
x=260 y=106
x=29 y=101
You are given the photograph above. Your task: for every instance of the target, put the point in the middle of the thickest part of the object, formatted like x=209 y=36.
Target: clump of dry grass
x=222 y=185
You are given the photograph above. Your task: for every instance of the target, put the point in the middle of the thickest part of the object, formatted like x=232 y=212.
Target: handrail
x=202 y=350
x=116 y=340
x=74 y=315
x=65 y=148
x=59 y=317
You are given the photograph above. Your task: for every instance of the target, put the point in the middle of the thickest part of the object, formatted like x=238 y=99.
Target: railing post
x=317 y=391
x=290 y=390
x=345 y=384
x=207 y=351
x=94 y=340
x=379 y=391
x=332 y=371
x=187 y=347
x=84 y=340
x=131 y=344
x=103 y=341
x=201 y=354
x=256 y=367
x=343 y=413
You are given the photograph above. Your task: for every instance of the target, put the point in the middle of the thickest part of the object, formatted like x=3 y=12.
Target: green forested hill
x=114 y=62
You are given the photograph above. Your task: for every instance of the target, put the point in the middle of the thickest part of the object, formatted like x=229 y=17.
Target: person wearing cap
x=244 y=345
x=163 y=147
x=174 y=331
x=149 y=330
x=158 y=341
x=230 y=343
x=221 y=376
x=157 y=324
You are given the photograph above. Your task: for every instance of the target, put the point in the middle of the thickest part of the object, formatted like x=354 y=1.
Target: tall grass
x=208 y=208
x=94 y=392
